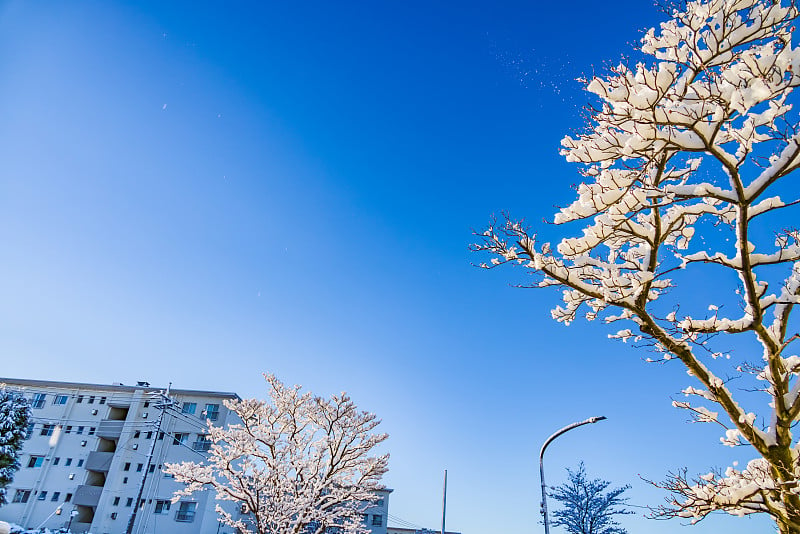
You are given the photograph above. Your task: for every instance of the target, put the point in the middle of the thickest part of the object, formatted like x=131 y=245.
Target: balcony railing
x=110 y=429
x=99 y=461
x=87 y=495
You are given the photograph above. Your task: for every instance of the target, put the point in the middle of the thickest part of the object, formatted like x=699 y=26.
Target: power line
x=162 y=405
x=404 y=523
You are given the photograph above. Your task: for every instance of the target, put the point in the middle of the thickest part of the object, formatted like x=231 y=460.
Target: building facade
x=405 y=530
x=94 y=451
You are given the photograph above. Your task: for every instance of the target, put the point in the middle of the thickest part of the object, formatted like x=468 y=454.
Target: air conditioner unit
x=94 y=412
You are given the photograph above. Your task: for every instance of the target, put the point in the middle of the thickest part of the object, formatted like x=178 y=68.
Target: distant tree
x=586 y=509
x=296 y=464
x=15 y=414
x=687 y=235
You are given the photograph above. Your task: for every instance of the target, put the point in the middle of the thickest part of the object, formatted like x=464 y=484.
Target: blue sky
x=199 y=192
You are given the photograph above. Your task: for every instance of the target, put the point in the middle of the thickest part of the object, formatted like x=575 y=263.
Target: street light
x=541 y=463
x=72 y=515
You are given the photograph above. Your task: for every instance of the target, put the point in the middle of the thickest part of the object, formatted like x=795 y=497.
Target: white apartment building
x=86 y=460
x=405 y=530
x=87 y=453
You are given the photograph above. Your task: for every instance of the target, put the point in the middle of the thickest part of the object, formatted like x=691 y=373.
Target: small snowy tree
x=296 y=464
x=686 y=158
x=15 y=414
x=586 y=509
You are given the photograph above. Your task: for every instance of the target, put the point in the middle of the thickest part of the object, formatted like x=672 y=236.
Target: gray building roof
x=115 y=387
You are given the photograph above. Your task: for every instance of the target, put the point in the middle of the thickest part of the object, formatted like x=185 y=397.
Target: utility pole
x=162 y=407
x=444 y=500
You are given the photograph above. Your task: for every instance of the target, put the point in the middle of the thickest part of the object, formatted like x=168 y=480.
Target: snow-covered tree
x=296 y=464
x=587 y=508
x=689 y=195
x=15 y=414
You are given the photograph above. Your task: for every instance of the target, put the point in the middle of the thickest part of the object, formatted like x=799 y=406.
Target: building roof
x=115 y=387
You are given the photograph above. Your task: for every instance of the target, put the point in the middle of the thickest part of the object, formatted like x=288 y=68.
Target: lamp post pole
x=72 y=515
x=541 y=463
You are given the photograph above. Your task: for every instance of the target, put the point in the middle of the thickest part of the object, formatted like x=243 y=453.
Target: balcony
x=109 y=429
x=120 y=400
x=87 y=495
x=99 y=461
x=79 y=528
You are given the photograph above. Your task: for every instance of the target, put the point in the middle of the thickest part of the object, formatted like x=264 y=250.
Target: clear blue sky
x=199 y=192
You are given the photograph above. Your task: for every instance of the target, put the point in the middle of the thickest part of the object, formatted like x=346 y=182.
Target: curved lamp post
x=541 y=463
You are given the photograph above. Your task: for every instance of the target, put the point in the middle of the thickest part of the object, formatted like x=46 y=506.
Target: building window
x=47 y=430
x=149 y=435
x=91 y=400
x=189 y=407
x=68 y=462
x=29 y=430
x=162 y=507
x=186 y=512
x=68 y=430
x=68 y=497
x=102 y=400
x=202 y=444
x=137 y=434
x=38 y=400
x=56 y=460
x=146 y=404
x=212 y=411
x=180 y=438
x=36 y=461
x=377 y=520
x=160 y=436
x=151 y=469
x=92 y=430
x=56 y=495
x=129 y=502
x=116 y=501
x=80 y=430
x=125 y=480
x=60 y=399
x=79 y=399
x=22 y=496
x=42 y=496
x=139 y=468
x=80 y=462
x=127 y=466
x=113 y=515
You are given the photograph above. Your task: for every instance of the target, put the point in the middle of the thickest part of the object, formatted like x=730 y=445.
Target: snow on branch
x=294 y=464
x=686 y=158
